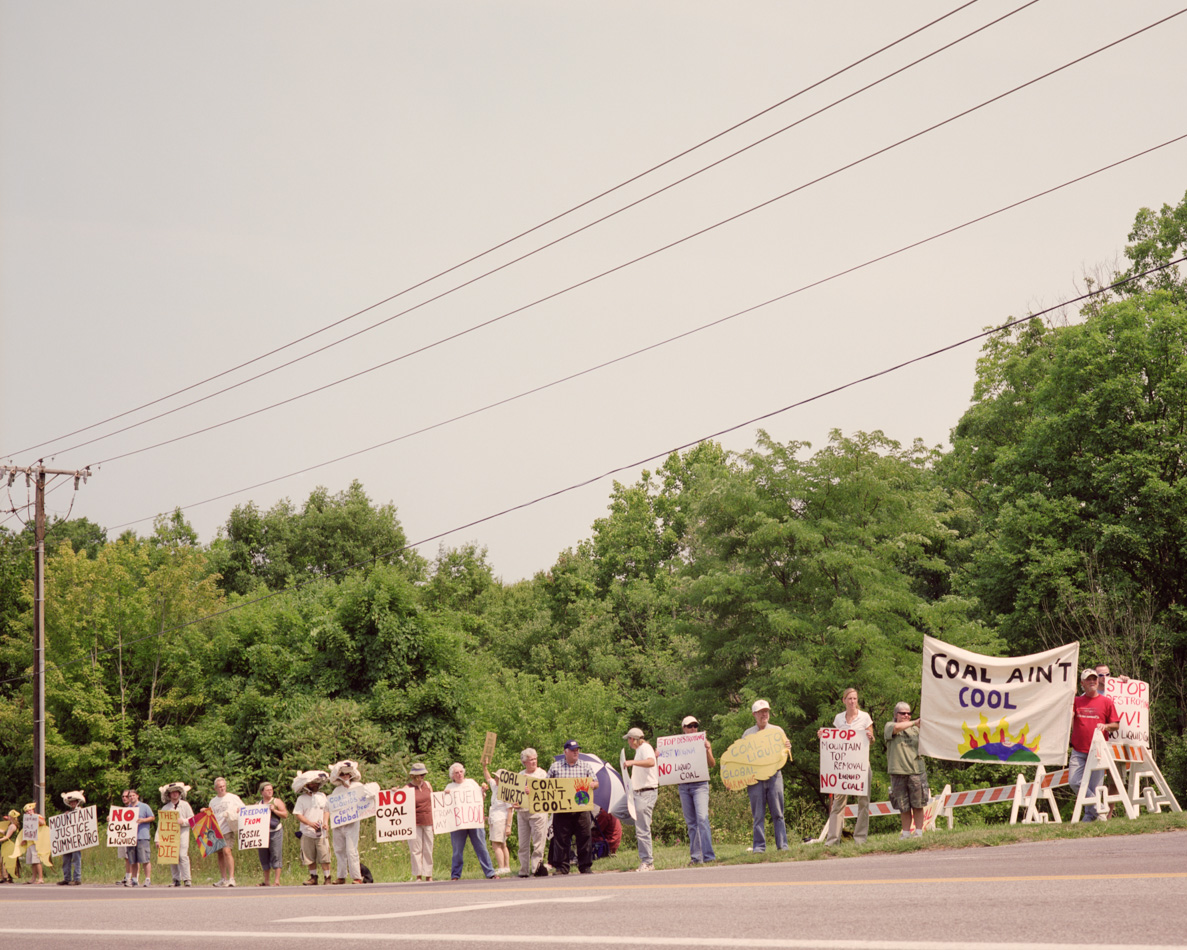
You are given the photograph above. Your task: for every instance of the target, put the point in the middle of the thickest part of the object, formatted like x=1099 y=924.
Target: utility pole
x=36 y=474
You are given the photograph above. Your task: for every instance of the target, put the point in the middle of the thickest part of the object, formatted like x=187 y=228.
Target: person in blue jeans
x=767 y=795
x=72 y=860
x=476 y=836
x=694 y=801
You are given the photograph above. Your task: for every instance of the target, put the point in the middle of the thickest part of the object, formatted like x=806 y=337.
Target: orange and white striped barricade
x=1100 y=758
x=1139 y=764
x=1033 y=794
x=877 y=810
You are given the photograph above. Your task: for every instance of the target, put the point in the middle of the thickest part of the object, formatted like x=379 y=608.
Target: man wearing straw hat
x=174 y=797
x=72 y=860
x=310 y=812
x=346 y=775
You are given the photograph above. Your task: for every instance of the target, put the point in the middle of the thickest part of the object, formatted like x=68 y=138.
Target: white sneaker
x=905 y=834
x=220 y=883
x=645 y=867
x=231 y=882
x=917 y=833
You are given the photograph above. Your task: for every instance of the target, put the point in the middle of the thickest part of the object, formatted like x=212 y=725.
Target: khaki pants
x=533 y=829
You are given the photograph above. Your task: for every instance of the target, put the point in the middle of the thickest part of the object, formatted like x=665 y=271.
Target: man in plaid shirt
x=567 y=824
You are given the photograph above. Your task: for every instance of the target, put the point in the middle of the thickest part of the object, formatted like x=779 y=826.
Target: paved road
x=1119 y=893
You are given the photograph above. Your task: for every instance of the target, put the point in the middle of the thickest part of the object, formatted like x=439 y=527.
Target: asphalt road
x=1117 y=892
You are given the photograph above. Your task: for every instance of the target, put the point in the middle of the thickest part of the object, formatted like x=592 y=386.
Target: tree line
x=302 y=635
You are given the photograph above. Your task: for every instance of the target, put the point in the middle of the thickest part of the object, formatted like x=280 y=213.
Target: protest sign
x=457 y=809
x=348 y=805
x=681 y=759
x=168 y=836
x=73 y=830
x=513 y=788
x=753 y=758
x=844 y=762
x=626 y=781
x=204 y=827
x=1132 y=701
x=254 y=823
x=395 y=816
x=30 y=825
x=121 y=828
x=1022 y=705
x=488 y=748
x=551 y=795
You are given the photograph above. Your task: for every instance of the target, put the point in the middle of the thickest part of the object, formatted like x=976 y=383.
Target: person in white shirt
x=225 y=807
x=310 y=812
x=498 y=818
x=767 y=795
x=645 y=786
x=174 y=797
x=457 y=772
x=851 y=718
x=346 y=775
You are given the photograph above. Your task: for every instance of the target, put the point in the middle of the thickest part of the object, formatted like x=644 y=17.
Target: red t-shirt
x=1086 y=714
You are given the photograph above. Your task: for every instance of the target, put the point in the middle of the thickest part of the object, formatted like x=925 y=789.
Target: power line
x=495 y=247
x=679 y=336
x=642 y=257
x=388 y=555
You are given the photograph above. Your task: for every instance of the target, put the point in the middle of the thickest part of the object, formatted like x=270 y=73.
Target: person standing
x=908 y=789
x=858 y=720
x=1091 y=713
x=694 y=802
x=573 y=824
x=499 y=820
x=420 y=845
x=645 y=786
x=346 y=775
x=458 y=781
x=310 y=812
x=767 y=795
x=533 y=829
x=225 y=807
x=174 y=797
x=72 y=860
x=272 y=857
x=32 y=858
x=142 y=855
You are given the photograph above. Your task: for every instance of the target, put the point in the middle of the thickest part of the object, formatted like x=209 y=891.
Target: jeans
x=1075 y=775
x=836 y=819
x=72 y=866
x=694 y=800
x=764 y=795
x=477 y=837
x=644 y=807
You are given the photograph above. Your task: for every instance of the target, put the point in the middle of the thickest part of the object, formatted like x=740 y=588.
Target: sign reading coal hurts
x=121 y=828
x=844 y=762
x=540 y=796
x=1021 y=705
x=348 y=805
x=753 y=758
x=1131 y=699
x=681 y=759
x=168 y=836
x=73 y=830
x=395 y=818
x=254 y=824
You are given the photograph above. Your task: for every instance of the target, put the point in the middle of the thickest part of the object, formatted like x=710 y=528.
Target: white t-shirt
x=498 y=810
x=861 y=722
x=226 y=811
x=642 y=777
x=312 y=807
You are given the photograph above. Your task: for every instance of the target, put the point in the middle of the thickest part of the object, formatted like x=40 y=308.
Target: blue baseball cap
x=572 y=744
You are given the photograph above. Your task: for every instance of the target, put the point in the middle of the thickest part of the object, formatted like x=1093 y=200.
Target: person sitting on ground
x=607 y=833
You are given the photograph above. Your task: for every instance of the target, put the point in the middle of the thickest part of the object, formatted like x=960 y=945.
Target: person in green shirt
x=908 y=789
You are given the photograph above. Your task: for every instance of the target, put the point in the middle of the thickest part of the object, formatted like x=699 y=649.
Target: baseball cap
x=1086 y=674
x=689 y=721
x=760 y=704
x=571 y=745
x=634 y=733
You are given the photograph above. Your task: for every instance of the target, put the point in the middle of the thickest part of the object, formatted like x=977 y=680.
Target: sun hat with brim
x=418 y=768
x=179 y=786
x=14 y=814
x=32 y=806
x=308 y=777
x=346 y=770
x=72 y=798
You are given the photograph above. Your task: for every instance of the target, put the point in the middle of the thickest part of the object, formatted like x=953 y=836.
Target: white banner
x=456 y=809
x=122 y=827
x=1132 y=701
x=73 y=830
x=254 y=824
x=396 y=818
x=844 y=762
x=348 y=805
x=1004 y=710
x=682 y=759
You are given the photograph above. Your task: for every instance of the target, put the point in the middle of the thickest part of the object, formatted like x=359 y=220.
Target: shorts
x=31 y=855
x=314 y=851
x=271 y=856
x=142 y=853
x=907 y=792
x=498 y=828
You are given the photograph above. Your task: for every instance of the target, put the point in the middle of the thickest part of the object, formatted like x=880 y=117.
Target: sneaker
x=917 y=833
x=231 y=882
x=147 y=882
x=645 y=867
x=134 y=884
x=220 y=883
x=177 y=883
x=187 y=883
x=905 y=834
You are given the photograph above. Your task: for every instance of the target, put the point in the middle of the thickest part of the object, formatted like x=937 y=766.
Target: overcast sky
x=187 y=186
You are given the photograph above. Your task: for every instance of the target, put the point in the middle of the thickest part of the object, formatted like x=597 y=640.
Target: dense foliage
x=306 y=634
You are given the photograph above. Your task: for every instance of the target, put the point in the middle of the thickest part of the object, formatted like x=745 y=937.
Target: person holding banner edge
x=908 y=789
x=852 y=718
x=694 y=802
x=1091 y=713
x=767 y=794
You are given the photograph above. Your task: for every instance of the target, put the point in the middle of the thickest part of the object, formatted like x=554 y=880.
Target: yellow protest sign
x=754 y=758
x=168 y=837
x=545 y=795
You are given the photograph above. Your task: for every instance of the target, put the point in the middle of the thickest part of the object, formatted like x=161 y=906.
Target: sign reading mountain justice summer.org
x=73 y=830
x=1003 y=710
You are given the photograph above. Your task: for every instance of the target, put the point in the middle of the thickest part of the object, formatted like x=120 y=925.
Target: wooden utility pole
x=36 y=474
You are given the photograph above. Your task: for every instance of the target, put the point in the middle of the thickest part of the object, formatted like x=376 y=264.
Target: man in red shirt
x=1091 y=713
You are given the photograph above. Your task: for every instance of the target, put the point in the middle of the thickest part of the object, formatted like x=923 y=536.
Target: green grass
x=389 y=863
